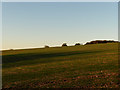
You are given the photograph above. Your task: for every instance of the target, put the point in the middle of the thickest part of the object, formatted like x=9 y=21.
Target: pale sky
x=36 y=24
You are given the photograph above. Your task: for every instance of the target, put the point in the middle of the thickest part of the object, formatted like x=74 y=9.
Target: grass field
x=85 y=66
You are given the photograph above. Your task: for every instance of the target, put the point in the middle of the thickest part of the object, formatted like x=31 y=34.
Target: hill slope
x=87 y=66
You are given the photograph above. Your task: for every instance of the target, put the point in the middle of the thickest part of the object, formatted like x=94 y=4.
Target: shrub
x=11 y=49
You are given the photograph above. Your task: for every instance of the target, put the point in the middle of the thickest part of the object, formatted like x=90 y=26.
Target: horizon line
x=56 y=45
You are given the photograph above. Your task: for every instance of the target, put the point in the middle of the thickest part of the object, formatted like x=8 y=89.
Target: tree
x=46 y=46
x=77 y=44
x=64 y=44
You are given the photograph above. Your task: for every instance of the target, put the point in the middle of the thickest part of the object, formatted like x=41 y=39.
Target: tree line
x=91 y=42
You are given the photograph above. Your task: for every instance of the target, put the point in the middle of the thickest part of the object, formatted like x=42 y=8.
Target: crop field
x=84 y=66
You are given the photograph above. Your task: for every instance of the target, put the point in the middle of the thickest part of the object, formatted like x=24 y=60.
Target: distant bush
x=77 y=44
x=64 y=44
x=101 y=41
x=11 y=49
x=46 y=46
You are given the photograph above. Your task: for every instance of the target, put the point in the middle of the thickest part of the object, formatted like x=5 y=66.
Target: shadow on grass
x=32 y=56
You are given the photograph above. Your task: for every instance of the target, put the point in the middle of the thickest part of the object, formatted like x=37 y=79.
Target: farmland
x=84 y=66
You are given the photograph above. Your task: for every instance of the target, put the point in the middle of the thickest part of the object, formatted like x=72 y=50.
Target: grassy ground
x=87 y=66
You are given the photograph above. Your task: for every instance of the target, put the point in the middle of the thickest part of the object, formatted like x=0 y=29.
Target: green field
x=85 y=66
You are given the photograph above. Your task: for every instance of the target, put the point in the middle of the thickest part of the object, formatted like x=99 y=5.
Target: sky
x=36 y=24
